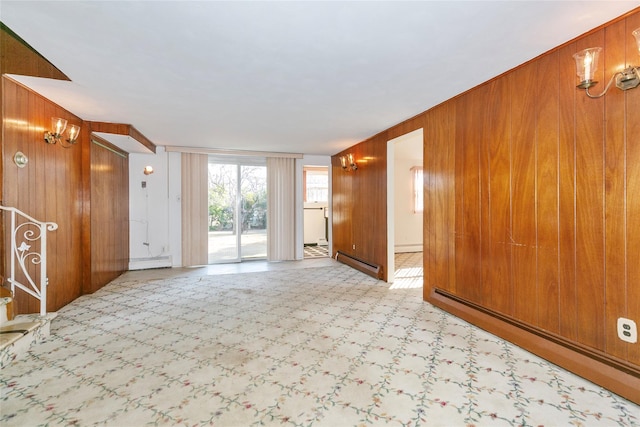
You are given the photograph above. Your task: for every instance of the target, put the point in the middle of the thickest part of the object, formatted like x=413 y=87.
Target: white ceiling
x=296 y=77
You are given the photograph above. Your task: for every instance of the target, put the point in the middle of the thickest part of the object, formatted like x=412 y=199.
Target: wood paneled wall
x=359 y=204
x=84 y=189
x=48 y=188
x=532 y=208
x=17 y=57
x=109 y=215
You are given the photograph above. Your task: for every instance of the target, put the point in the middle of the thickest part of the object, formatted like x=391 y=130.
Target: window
x=316 y=184
x=418 y=191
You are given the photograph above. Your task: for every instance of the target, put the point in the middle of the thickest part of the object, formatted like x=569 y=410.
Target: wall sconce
x=20 y=159
x=348 y=162
x=148 y=170
x=59 y=125
x=587 y=64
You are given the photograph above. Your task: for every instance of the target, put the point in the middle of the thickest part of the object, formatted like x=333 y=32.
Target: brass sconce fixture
x=148 y=170
x=587 y=64
x=348 y=162
x=59 y=125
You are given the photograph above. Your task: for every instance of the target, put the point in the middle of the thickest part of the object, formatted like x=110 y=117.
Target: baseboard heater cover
x=371 y=269
x=617 y=375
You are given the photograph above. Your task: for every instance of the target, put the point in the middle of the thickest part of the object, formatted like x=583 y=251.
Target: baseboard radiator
x=617 y=375
x=371 y=269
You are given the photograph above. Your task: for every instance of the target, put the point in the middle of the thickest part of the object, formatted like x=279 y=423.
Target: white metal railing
x=24 y=236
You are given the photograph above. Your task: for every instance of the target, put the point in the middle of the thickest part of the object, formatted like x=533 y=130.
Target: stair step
x=4 y=309
x=18 y=335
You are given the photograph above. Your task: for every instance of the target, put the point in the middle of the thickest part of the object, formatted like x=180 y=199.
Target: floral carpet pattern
x=307 y=347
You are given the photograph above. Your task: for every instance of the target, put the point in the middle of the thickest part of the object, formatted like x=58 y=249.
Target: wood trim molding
x=123 y=129
x=615 y=375
x=95 y=139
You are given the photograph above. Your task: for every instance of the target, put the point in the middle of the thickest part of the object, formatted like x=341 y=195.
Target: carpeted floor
x=322 y=346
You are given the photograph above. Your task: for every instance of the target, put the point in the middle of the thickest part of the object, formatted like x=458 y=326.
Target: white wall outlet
x=627 y=330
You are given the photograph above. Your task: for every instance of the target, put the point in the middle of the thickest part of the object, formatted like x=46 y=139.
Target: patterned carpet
x=315 y=347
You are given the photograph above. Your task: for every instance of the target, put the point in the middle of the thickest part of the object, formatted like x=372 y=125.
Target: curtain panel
x=195 y=210
x=281 y=209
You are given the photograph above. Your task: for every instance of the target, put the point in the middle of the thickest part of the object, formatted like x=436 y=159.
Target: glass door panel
x=223 y=213
x=253 y=188
x=237 y=211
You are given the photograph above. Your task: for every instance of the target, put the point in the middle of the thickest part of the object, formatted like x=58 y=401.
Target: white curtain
x=281 y=209
x=195 y=210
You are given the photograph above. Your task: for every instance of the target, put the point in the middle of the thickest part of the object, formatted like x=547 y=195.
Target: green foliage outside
x=222 y=198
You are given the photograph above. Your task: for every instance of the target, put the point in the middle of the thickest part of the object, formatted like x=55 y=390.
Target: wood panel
x=468 y=256
x=109 y=215
x=359 y=203
x=498 y=235
x=523 y=192
x=614 y=204
x=123 y=129
x=589 y=199
x=567 y=286
x=547 y=174
x=632 y=130
x=439 y=190
x=341 y=207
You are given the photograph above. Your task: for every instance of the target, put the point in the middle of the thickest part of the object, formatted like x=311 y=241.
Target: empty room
x=320 y=213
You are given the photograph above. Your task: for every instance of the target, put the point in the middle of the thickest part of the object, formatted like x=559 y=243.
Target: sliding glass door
x=237 y=209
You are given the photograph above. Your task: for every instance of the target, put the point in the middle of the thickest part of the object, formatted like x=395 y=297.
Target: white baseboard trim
x=146 y=263
x=408 y=248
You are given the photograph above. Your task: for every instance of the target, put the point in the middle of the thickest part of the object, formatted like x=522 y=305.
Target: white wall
x=149 y=227
x=408 y=225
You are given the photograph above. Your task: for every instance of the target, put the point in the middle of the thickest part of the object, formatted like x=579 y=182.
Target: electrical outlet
x=627 y=330
x=354 y=246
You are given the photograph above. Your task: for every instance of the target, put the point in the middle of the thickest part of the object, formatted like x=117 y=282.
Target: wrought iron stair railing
x=28 y=238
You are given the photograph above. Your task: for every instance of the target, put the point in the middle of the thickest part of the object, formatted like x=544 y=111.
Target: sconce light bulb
x=74 y=132
x=343 y=162
x=586 y=66
x=59 y=125
x=588 y=59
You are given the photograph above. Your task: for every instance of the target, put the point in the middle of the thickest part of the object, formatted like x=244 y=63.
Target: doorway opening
x=315 y=181
x=237 y=201
x=404 y=206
